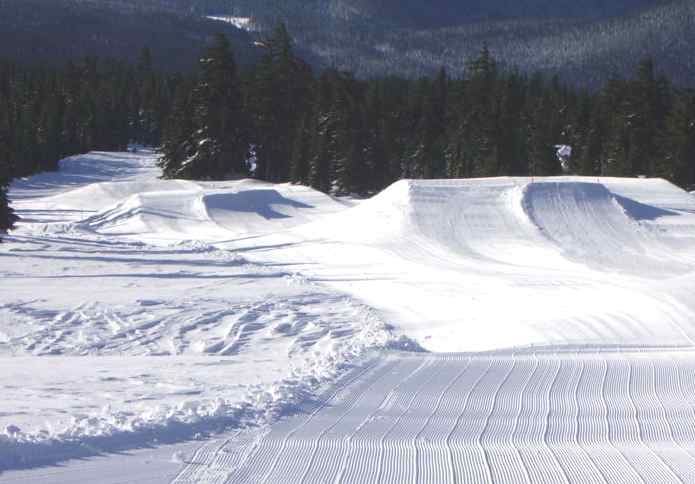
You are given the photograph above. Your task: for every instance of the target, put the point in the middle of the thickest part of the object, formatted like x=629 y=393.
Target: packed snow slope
x=108 y=343
x=137 y=310
x=571 y=416
x=458 y=265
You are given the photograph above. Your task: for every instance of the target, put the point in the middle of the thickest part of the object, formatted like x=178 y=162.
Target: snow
x=557 y=316
x=106 y=342
x=544 y=247
x=591 y=416
x=243 y=23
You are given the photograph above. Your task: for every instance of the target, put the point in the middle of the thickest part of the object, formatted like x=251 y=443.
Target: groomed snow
x=471 y=265
x=130 y=287
x=589 y=416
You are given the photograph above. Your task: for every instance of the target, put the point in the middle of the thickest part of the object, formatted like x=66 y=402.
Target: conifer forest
x=281 y=121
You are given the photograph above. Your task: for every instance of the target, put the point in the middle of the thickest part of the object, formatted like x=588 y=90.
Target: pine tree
x=617 y=150
x=178 y=142
x=592 y=148
x=299 y=171
x=543 y=136
x=678 y=143
x=323 y=146
x=427 y=153
x=643 y=123
x=347 y=162
x=481 y=121
x=280 y=98
x=220 y=141
x=7 y=215
x=323 y=151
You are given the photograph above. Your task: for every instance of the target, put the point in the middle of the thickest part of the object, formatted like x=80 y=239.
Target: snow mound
x=555 y=222
x=261 y=209
x=592 y=224
x=213 y=212
x=99 y=196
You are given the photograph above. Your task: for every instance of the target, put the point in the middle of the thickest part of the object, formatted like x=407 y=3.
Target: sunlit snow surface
x=113 y=342
x=136 y=310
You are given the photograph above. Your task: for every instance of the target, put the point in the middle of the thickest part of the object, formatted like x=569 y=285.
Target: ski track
x=210 y=327
x=575 y=417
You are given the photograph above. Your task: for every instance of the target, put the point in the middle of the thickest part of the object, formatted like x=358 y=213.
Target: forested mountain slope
x=584 y=42
x=52 y=31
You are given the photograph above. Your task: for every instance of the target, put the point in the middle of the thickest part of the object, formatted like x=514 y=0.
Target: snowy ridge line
x=598 y=418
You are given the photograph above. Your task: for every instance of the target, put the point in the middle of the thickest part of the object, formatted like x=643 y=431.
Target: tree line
x=47 y=114
x=281 y=122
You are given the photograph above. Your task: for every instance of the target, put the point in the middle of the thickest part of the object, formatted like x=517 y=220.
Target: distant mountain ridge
x=53 y=31
x=587 y=42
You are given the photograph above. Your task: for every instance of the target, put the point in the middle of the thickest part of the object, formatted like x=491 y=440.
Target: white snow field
x=492 y=330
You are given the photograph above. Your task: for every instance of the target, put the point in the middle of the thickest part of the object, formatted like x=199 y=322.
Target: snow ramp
x=471 y=265
x=646 y=227
x=177 y=210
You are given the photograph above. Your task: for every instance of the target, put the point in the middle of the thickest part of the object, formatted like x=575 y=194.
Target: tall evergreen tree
x=7 y=216
x=324 y=148
x=299 y=166
x=343 y=135
x=427 y=155
x=678 y=144
x=178 y=138
x=280 y=98
x=221 y=140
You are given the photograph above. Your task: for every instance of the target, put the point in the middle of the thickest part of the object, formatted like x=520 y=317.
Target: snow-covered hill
x=139 y=310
